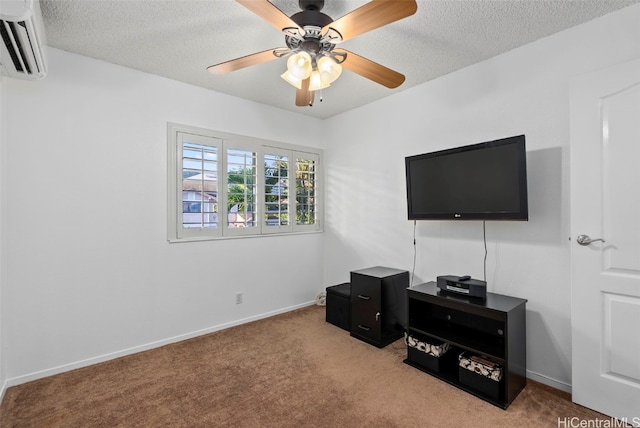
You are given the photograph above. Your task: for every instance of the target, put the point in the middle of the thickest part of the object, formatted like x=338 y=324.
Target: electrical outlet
x=238 y=298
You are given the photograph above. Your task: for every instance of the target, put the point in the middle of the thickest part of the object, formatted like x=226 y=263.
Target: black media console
x=447 y=332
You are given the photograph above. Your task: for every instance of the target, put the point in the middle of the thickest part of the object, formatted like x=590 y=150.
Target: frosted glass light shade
x=316 y=82
x=291 y=79
x=299 y=65
x=329 y=69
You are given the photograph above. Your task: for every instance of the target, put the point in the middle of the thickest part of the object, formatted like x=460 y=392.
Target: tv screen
x=486 y=181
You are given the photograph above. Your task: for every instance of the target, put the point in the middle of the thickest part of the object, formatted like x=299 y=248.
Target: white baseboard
x=3 y=389
x=106 y=357
x=554 y=383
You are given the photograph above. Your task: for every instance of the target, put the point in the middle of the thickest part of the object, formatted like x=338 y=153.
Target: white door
x=605 y=275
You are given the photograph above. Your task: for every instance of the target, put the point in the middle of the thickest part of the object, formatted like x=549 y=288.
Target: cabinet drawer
x=365 y=319
x=366 y=298
x=364 y=289
x=367 y=330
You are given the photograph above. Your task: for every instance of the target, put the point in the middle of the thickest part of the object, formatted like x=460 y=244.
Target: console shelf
x=493 y=329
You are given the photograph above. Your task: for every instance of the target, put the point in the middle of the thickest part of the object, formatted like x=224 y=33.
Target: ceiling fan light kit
x=292 y=80
x=315 y=81
x=311 y=37
x=329 y=69
x=299 y=65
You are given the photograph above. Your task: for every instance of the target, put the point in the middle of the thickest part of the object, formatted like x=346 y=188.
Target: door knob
x=586 y=240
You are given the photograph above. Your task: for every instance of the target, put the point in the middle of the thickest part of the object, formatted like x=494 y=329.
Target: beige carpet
x=291 y=370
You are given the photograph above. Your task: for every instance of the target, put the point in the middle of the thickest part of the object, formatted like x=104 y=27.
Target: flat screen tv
x=486 y=181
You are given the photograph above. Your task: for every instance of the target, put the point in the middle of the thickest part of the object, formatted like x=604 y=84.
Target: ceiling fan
x=311 y=37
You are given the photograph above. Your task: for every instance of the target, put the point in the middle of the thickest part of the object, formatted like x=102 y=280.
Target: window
x=241 y=166
x=199 y=185
x=306 y=190
x=196 y=180
x=276 y=191
x=223 y=185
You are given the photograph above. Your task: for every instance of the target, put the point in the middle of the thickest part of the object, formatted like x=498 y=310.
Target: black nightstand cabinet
x=378 y=304
x=494 y=329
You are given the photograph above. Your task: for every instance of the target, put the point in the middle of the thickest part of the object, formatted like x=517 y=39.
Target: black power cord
x=415 y=251
x=484 y=236
x=413 y=271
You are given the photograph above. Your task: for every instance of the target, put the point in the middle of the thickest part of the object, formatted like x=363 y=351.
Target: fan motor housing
x=311 y=17
x=311 y=4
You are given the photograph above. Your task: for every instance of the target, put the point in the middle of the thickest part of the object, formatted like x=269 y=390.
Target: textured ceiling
x=179 y=39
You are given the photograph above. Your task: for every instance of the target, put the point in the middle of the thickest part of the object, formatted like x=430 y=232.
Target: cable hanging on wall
x=413 y=271
x=484 y=237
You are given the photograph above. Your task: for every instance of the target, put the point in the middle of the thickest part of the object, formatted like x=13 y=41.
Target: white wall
x=3 y=376
x=89 y=273
x=525 y=91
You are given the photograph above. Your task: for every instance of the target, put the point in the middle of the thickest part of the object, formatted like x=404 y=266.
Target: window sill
x=223 y=238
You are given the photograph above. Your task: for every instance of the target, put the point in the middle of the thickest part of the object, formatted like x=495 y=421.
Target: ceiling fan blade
x=372 y=15
x=267 y=11
x=242 y=62
x=371 y=70
x=304 y=97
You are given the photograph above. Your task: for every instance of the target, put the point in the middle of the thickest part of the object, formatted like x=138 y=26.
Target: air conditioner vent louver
x=21 y=53
x=9 y=33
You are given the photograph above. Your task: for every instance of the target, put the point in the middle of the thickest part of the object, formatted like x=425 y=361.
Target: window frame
x=239 y=231
x=317 y=197
x=223 y=142
x=175 y=187
x=280 y=228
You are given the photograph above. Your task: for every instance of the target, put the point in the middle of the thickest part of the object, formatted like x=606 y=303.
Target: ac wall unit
x=21 y=50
